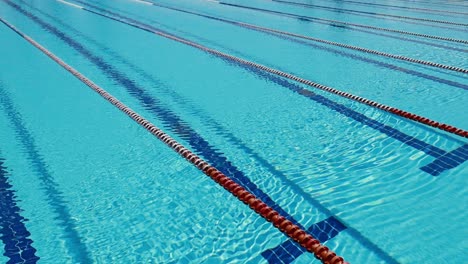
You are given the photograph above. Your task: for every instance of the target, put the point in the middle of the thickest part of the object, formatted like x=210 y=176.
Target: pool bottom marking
x=447 y=161
x=13 y=232
x=270 y=214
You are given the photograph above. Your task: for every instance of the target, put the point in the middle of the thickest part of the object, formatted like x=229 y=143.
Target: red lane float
x=293 y=231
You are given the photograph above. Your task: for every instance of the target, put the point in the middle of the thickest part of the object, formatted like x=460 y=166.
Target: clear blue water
x=90 y=185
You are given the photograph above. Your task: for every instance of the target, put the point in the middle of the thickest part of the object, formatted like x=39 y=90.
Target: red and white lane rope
x=293 y=231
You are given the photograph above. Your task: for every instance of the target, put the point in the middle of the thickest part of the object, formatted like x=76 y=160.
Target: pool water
x=80 y=182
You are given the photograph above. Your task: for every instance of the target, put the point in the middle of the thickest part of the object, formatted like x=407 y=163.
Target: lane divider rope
x=264 y=29
x=370 y=13
x=311 y=19
x=393 y=110
x=293 y=231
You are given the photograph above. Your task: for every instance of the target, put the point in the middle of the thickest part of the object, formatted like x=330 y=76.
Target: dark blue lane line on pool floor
x=392 y=132
x=447 y=161
x=73 y=241
x=170 y=119
x=288 y=251
x=331 y=50
x=13 y=232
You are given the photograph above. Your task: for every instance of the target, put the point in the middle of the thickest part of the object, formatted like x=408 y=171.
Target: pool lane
x=386 y=15
x=399 y=7
x=440 y=5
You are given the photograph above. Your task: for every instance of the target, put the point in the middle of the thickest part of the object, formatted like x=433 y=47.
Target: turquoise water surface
x=80 y=182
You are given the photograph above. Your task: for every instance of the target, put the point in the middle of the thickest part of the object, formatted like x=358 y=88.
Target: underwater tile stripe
x=13 y=232
x=447 y=161
x=289 y=250
x=73 y=241
x=284 y=225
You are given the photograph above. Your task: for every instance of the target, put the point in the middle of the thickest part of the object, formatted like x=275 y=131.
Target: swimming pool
x=266 y=92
